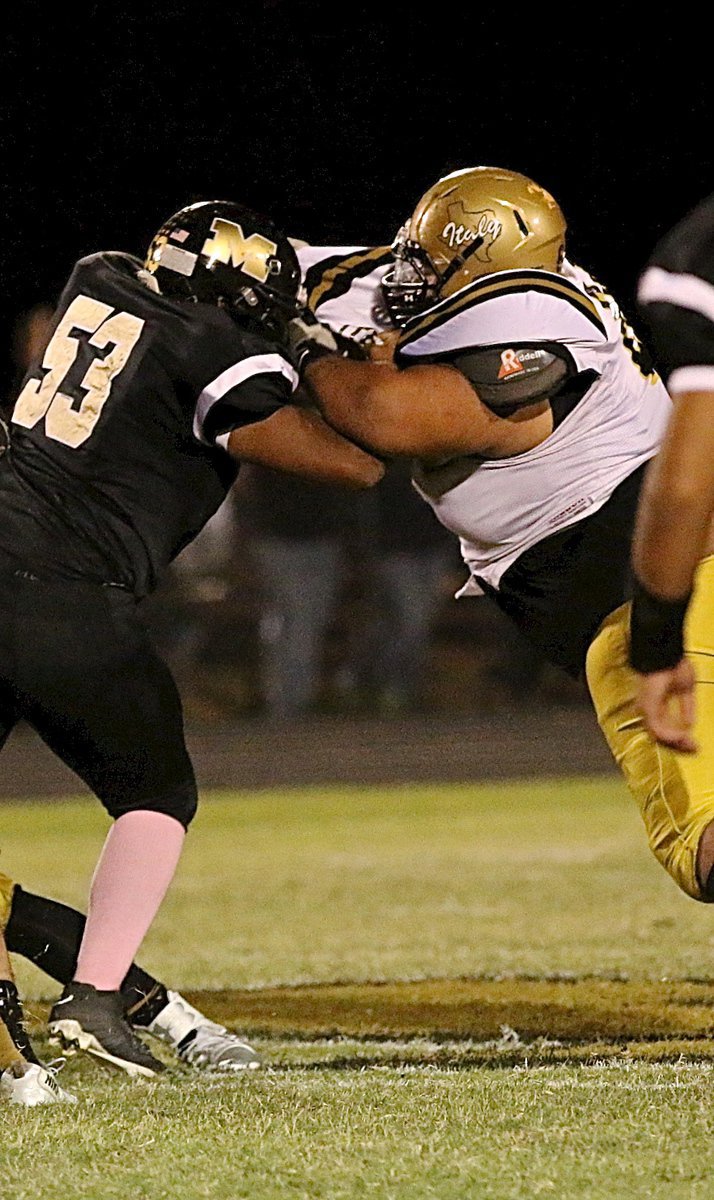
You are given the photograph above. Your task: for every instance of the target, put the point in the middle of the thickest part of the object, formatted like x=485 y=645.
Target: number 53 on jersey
x=42 y=398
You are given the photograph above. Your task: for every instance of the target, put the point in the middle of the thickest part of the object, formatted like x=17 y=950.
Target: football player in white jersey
x=674 y=539
x=531 y=410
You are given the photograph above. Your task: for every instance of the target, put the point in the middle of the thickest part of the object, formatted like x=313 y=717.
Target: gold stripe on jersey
x=337 y=279
x=490 y=286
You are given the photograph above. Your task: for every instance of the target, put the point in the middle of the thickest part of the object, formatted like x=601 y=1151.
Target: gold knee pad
x=7 y=887
x=675 y=792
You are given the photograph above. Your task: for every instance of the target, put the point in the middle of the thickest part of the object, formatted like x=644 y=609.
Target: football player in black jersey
x=157 y=380
x=532 y=410
x=674 y=530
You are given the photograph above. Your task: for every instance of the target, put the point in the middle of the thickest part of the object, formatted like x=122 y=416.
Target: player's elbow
x=363 y=473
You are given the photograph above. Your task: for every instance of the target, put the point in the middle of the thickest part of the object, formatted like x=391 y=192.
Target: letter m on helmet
x=229 y=245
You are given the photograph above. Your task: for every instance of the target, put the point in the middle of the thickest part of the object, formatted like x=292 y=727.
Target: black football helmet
x=223 y=253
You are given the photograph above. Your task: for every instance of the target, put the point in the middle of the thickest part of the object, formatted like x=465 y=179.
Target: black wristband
x=656 y=630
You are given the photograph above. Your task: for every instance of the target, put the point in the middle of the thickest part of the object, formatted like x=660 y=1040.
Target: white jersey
x=499 y=508
x=513 y=515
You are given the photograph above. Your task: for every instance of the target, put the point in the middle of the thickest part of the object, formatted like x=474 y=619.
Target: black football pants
x=77 y=664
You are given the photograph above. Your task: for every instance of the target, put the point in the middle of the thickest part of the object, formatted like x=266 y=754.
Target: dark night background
x=334 y=120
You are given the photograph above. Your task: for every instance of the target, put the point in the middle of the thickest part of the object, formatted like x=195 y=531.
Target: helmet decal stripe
x=460 y=260
x=173 y=258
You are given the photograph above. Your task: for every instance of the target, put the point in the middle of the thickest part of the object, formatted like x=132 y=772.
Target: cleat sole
x=72 y=1037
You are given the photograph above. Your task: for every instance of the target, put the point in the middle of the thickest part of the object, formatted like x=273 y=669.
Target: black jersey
x=118 y=438
x=676 y=297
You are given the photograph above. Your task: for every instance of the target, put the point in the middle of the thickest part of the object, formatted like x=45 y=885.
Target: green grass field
x=473 y=991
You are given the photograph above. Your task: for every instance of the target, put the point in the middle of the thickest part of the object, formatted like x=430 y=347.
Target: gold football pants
x=675 y=792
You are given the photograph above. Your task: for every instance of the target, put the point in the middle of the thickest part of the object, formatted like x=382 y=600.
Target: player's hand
x=381 y=346
x=308 y=338
x=666 y=701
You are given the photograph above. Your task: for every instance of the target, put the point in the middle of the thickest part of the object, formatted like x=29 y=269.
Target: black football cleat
x=86 y=1019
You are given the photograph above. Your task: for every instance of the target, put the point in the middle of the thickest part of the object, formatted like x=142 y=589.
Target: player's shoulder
x=247 y=340
x=688 y=247
x=117 y=260
x=330 y=271
x=118 y=279
x=221 y=348
x=676 y=299
x=108 y=263
x=525 y=306
x=680 y=271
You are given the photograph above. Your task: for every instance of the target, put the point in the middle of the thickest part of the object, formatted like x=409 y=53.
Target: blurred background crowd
x=300 y=599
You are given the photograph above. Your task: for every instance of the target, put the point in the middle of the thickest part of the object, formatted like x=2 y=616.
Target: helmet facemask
x=271 y=310
x=411 y=284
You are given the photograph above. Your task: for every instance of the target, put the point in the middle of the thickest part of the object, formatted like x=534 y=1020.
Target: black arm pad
x=511 y=377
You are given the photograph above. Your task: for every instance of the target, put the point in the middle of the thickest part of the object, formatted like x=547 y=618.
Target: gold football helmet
x=472 y=223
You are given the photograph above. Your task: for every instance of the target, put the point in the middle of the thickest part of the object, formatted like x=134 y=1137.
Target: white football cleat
x=32 y=1084
x=199 y=1042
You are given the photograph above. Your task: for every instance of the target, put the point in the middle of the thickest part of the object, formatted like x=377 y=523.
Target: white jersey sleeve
x=343 y=287
x=514 y=309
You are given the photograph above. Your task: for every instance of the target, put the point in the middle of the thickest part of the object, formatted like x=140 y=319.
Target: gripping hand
x=308 y=339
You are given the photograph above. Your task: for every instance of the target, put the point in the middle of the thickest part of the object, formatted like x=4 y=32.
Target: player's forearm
x=671 y=535
x=664 y=565
x=669 y=542
x=299 y=442
x=672 y=530
x=5 y=967
x=347 y=394
x=417 y=412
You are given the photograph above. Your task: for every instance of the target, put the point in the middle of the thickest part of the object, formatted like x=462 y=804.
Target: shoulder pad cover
x=510 y=377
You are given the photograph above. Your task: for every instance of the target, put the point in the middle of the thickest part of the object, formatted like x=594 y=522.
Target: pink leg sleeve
x=132 y=875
